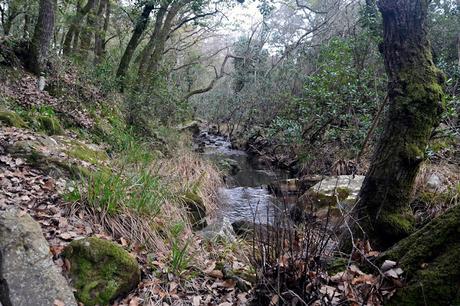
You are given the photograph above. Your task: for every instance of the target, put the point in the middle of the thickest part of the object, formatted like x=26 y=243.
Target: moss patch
x=397 y=225
x=336 y=265
x=50 y=125
x=9 y=118
x=429 y=257
x=100 y=270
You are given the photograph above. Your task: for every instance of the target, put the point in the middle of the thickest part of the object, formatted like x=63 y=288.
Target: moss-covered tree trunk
x=415 y=105
x=87 y=32
x=430 y=260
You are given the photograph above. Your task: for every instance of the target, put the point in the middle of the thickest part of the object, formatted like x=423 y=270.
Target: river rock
x=101 y=270
x=28 y=275
x=219 y=230
x=344 y=188
x=308 y=181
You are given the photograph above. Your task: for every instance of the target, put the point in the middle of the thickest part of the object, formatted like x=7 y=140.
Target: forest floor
x=39 y=173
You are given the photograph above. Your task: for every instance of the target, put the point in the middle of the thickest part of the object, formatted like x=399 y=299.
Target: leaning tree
x=415 y=105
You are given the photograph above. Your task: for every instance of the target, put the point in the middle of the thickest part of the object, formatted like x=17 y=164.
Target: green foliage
x=337 y=101
x=179 y=259
x=10 y=118
x=112 y=192
x=152 y=103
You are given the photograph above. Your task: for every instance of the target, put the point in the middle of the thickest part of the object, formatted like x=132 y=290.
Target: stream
x=246 y=195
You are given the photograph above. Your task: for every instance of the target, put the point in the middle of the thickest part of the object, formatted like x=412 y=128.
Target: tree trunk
x=415 y=106
x=145 y=56
x=139 y=29
x=87 y=32
x=74 y=29
x=429 y=259
x=103 y=25
x=458 y=50
x=13 y=12
x=157 y=55
x=43 y=35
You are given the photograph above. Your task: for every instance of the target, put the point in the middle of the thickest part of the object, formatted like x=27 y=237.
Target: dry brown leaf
x=211 y=266
x=57 y=249
x=216 y=274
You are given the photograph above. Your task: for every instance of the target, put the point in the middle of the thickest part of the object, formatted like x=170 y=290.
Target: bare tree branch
x=219 y=75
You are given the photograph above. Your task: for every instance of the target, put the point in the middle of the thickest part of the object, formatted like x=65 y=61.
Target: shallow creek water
x=246 y=195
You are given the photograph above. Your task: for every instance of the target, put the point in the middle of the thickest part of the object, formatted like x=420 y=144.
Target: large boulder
x=28 y=275
x=321 y=201
x=57 y=155
x=101 y=270
x=294 y=186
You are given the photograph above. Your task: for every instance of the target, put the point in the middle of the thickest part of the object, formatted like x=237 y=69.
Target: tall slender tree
x=139 y=28
x=43 y=35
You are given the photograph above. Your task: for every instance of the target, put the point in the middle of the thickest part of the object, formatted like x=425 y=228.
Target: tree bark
x=139 y=29
x=13 y=12
x=74 y=30
x=88 y=31
x=103 y=25
x=415 y=106
x=25 y=33
x=145 y=56
x=157 y=54
x=43 y=35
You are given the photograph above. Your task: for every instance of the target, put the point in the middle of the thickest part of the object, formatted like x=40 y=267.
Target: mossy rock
x=50 y=125
x=9 y=118
x=429 y=259
x=197 y=210
x=101 y=270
